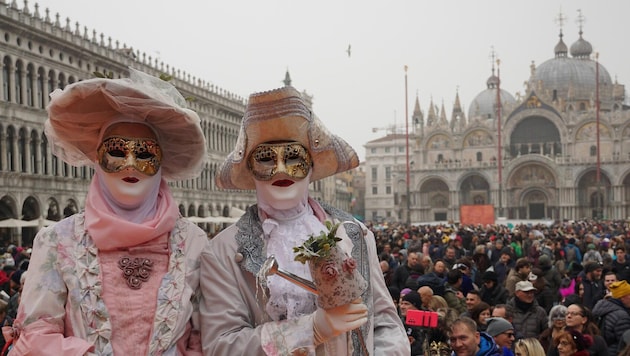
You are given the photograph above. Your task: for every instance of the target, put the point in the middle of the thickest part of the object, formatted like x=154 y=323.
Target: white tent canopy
x=212 y=219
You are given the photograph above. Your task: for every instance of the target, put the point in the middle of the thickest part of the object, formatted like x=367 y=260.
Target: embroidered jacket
x=234 y=320
x=62 y=310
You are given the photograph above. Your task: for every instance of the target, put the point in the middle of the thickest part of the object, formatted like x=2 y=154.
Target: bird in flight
x=349 y=51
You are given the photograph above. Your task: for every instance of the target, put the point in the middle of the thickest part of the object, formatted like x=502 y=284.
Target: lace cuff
x=288 y=337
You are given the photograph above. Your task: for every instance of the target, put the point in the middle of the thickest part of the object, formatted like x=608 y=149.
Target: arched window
x=44 y=154
x=29 y=84
x=6 y=79
x=33 y=153
x=479 y=157
x=61 y=83
x=51 y=81
x=22 y=150
x=10 y=151
x=19 y=71
x=41 y=80
x=593 y=151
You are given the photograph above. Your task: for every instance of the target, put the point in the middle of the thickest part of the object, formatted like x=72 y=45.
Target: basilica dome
x=571 y=78
x=484 y=104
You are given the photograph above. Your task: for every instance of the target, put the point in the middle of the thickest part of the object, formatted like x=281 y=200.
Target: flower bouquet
x=334 y=272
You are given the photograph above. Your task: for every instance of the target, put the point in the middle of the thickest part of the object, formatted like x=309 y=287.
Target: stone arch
x=474 y=189
x=53 y=212
x=593 y=199
x=71 y=208
x=435 y=195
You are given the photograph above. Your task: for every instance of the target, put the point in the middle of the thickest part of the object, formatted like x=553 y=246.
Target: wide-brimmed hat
x=79 y=114
x=282 y=115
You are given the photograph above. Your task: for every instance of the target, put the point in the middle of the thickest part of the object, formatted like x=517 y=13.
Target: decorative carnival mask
x=269 y=159
x=117 y=153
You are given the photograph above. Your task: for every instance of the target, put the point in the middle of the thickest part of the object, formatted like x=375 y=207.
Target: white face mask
x=282 y=192
x=128 y=187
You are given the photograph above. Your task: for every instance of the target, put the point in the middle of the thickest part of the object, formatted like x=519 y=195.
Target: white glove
x=329 y=323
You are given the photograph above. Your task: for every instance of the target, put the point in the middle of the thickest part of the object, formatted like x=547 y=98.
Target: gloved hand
x=328 y=323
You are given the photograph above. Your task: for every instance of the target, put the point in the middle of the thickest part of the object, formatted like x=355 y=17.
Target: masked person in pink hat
x=281 y=149
x=122 y=276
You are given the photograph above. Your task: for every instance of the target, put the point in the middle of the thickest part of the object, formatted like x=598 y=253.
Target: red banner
x=476 y=214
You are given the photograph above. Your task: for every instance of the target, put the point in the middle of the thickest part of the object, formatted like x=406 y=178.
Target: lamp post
x=407 y=148
x=598 y=176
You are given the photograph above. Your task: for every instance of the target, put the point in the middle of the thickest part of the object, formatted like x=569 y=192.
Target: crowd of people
x=559 y=289
x=129 y=275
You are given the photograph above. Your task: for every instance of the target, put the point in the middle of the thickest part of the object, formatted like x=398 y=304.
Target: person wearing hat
x=491 y=291
x=614 y=315
x=592 y=283
x=530 y=319
x=520 y=272
x=502 y=331
x=281 y=149
x=572 y=343
x=411 y=301
x=121 y=276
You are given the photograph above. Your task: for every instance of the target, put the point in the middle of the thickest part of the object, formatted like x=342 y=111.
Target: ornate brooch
x=135 y=270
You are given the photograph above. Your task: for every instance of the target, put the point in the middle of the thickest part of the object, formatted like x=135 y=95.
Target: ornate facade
x=556 y=162
x=39 y=54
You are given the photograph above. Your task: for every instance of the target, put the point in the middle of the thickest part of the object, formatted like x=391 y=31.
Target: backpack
x=571 y=256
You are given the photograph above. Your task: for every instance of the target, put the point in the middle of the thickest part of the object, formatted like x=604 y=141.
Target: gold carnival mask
x=117 y=153
x=439 y=349
x=269 y=159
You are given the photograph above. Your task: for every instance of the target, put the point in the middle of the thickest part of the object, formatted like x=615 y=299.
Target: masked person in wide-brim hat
x=121 y=276
x=282 y=147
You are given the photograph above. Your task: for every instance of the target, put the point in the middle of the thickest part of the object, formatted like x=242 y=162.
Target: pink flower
x=349 y=264
x=329 y=270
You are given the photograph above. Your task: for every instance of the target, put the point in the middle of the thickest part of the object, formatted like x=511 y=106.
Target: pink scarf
x=111 y=231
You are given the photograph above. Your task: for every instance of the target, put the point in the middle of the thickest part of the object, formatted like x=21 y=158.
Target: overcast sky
x=245 y=46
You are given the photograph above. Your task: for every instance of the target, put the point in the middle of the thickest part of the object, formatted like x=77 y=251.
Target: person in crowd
x=467 y=341
x=479 y=313
x=592 y=255
x=122 y=276
x=411 y=301
x=552 y=276
x=572 y=253
x=530 y=319
x=572 y=343
x=438 y=302
x=491 y=291
x=17 y=284
x=502 y=331
x=592 y=284
x=503 y=311
x=580 y=318
x=472 y=299
x=412 y=268
x=426 y=293
x=544 y=294
x=519 y=273
x=281 y=149
x=621 y=264
x=387 y=272
x=528 y=347
x=613 y=315
x=453 y=296
x=450 y=256
x=504 y=265
x=609 y=278
x=6 y=322
x=440 y=269
x=557 y=323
